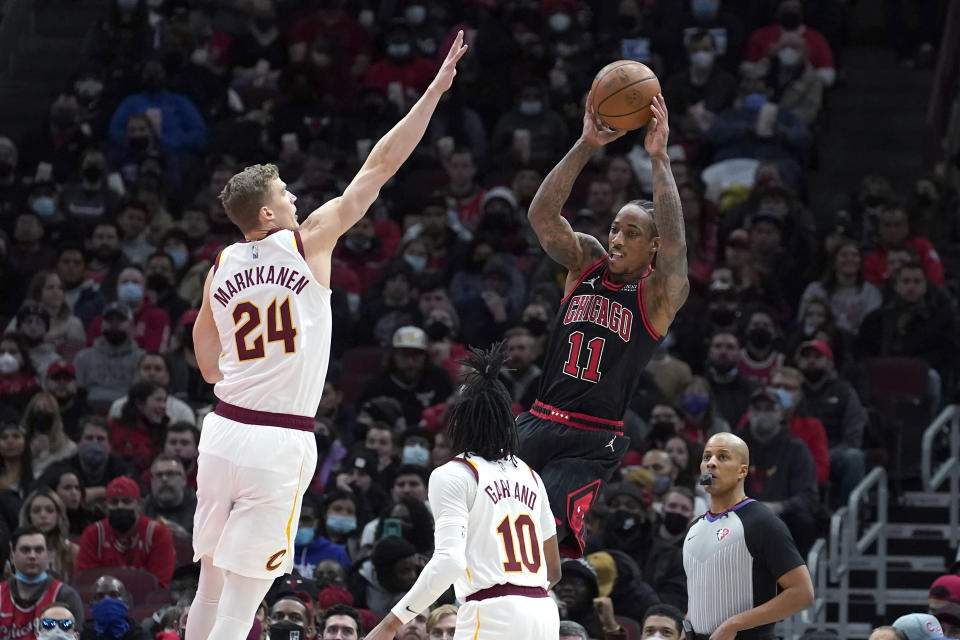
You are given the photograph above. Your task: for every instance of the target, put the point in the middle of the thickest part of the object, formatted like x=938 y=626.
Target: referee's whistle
x=705 y=480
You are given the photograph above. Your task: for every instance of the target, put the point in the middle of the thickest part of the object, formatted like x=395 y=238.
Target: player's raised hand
x=449 y=67
x=658 y=130
x=595 y=133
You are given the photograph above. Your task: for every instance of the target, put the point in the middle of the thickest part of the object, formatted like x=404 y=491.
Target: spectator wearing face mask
x=95 y=465
x=127 y=538
x=677 y=514
x=730 y=389
x=30 y=590
x=404 y=73
x=629 y=527
x=90 y=200
x=790 y=20
x=782 y=473
x=341 y=515
x=530 y=134
x=760 y=355
x=33 y=323
x=662 y=622
x=151 y=323
x=703 y=89
x=310 y=546
x=48 y=442
x=831 y=398
x=110 y=607
x=18 y=379
x=180 y=125
x=57 y=622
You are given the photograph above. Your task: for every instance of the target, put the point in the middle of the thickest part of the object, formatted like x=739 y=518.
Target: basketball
x=622 y=92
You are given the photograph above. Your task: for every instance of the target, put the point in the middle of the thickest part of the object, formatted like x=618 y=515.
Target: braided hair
x=481 y=421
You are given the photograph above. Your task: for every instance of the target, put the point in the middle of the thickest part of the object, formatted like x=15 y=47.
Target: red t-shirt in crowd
x=812 y=433
x=818 y=50
x=149 y=547
x=132 y=444
x=876 y=271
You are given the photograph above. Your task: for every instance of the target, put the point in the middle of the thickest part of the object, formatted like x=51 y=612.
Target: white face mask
x=788 y=56
x=560 y=22
x=8 y=364
x=701 y=59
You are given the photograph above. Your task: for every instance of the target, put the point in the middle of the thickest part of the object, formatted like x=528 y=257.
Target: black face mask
x=814 y=375
x=661 y=431
x=157 y=282
x=42 y=421
x=5 y=170
x=437 y=331
x=627 y=22
x=789 y=20
x=122 y=520
x=92 y=172
x=760 y=338
x=536 y=326
x=873 y=201
x=116 y=337
x=139 y=143
x=723 y=316
x=286 y=630
x=674 y=523
x=627 y=530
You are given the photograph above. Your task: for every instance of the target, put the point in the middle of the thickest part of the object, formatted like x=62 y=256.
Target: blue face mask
x=417 y=263
x=44 y=206
x=694 y=403
x=416 y=455
x=786 y=398
x=179 y=258
x=341 y=524
x=661 y=482
x=130 y=292
x=110 y=618
x=304 y=537
x=705 y=9
x=25 y=580
x=531 y=107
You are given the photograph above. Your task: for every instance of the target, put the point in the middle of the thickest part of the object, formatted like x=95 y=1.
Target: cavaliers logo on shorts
x=274 y=561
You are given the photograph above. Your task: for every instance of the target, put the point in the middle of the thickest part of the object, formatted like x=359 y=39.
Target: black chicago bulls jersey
x=600 y=343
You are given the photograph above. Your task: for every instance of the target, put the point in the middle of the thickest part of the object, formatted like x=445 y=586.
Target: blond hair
x=443 y=610
x=246 y=192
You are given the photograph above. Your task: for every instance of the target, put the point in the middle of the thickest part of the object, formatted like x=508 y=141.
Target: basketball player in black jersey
x=615 y=311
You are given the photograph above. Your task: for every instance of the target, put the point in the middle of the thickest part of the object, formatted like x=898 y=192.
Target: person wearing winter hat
x=944 y=603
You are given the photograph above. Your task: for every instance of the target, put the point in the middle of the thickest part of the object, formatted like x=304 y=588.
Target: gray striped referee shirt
x=733 y=561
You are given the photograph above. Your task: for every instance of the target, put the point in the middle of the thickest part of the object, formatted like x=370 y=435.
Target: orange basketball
x=622 y=92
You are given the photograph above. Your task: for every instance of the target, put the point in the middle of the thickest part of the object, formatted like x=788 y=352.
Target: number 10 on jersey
x=529 y=551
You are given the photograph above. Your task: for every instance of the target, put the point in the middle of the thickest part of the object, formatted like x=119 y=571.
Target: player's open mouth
x=613 y=256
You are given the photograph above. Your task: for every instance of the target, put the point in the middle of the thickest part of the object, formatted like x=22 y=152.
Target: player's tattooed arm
x=555 y=234
x=573 y=250
x=671 y=285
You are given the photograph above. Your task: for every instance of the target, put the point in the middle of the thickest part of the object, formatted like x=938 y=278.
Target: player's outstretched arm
x=206 y=338
x=322 y=228
x=575 y=251
x=670 y=285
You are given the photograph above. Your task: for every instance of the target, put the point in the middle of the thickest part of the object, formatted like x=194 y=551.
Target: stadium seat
x=158 y=598
x=184 y=551
x=630 y=626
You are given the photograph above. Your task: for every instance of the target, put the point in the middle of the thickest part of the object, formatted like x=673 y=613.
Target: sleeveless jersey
x=274 y=321
x=17 y=622
x=600 y=343
x=507 y=524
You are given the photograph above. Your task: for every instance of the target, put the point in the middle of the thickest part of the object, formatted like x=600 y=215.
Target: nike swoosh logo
x=691 y=538
x=410 y=610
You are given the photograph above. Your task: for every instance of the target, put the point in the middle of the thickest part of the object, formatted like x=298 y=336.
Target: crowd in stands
x=111 y=220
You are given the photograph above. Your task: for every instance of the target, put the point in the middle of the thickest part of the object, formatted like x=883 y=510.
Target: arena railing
x=17 y=20
x=849 y=548
x=949 y=469
x=814 y=616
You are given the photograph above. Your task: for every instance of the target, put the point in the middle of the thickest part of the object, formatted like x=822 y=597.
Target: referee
x=737 y=553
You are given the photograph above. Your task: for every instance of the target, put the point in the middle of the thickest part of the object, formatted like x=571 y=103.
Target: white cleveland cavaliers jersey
x=508 y=522
x=274 y=321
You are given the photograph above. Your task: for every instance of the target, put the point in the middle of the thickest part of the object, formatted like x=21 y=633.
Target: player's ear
x=265 y=215
x=655 y=244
